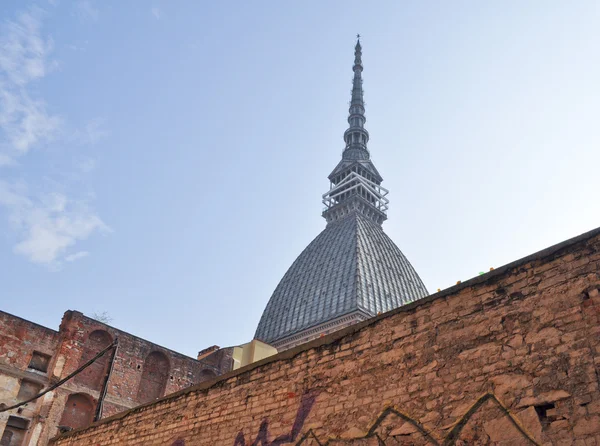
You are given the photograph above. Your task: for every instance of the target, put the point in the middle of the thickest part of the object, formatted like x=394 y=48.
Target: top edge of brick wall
x=119 y=332
x=29 y=322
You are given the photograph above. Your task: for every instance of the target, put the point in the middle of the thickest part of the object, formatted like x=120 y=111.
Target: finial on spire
x=356 y=136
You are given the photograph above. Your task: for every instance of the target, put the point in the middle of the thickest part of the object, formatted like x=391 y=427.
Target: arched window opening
x=93 y=376
x=78 y=412
x=154 y=377
x=207 y=374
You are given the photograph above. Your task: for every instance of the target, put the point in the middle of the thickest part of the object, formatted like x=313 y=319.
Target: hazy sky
x=164 y=161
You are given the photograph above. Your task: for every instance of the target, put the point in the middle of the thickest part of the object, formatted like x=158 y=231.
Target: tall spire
x=355 y=182
x=352 y=270
x=356 y=137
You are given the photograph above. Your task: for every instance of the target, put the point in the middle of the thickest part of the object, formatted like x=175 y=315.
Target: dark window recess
x=39 y=362
x=17 y=423
x=14 y=433
x=28 y=390
x=542 y=413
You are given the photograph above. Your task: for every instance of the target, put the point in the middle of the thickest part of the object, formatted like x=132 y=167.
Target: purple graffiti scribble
x=308 y=400
x=178 y=442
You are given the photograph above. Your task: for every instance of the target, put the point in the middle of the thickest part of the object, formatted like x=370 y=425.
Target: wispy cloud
x=77 y=256
x=25 y=122
x=86 y=165
x=24 y=58
x=5 y=160
x=156 y=12
x=24 y=52
x=48 y=225
x=93 y=131
x=85 y=10
x=76 y=47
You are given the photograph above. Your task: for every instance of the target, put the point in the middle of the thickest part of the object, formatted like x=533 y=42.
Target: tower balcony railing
x=375 y=195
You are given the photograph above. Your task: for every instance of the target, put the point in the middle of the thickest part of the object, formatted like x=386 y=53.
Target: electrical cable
x=64 y=380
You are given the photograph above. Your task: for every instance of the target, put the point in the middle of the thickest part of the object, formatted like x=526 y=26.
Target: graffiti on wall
x=406 y=430
x=306 y=405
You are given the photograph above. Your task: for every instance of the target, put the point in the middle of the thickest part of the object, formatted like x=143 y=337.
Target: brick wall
x=507 y=358
x=136 y=377
x=19 y=339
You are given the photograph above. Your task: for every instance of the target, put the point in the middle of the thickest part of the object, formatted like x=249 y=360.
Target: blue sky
x=164 y=161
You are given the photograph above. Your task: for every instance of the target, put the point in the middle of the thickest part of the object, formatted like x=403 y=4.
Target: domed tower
x=352 y=270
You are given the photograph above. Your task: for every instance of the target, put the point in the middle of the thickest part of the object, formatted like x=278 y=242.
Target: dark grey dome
x=352 y=265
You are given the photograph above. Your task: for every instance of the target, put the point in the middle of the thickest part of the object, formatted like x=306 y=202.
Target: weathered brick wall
x=19 y=339
x=129 y=364
x=509 y=358
x=134 y=379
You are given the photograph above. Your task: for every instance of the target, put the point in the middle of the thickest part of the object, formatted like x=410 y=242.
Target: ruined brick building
x=33 y=357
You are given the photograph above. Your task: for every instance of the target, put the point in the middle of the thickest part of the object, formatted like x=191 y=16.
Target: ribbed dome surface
x=351 y=265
